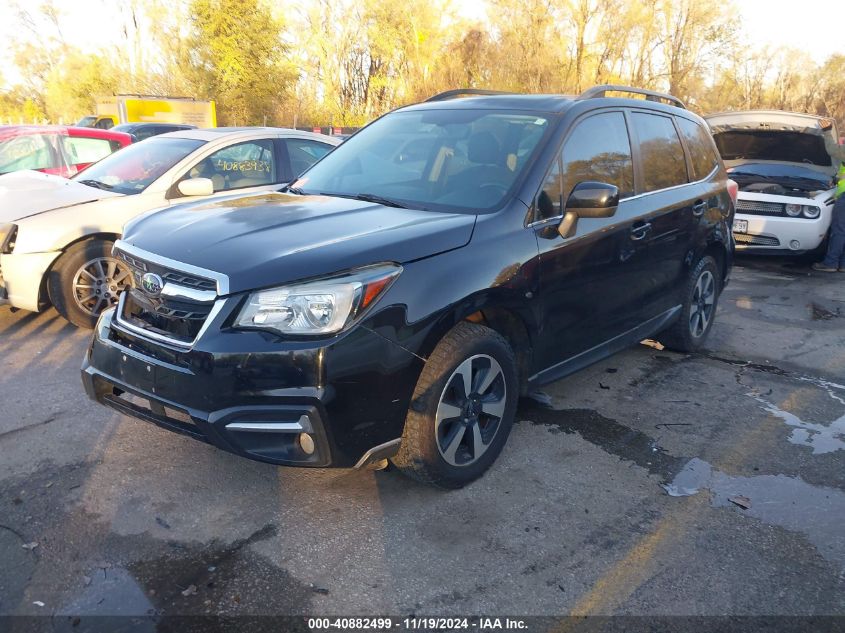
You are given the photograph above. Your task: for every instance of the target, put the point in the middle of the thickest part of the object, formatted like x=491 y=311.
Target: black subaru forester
x=396 y=300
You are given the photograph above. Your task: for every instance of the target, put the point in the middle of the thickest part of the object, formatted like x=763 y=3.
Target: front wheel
x=86 y=280
x=462 y=410
x=698 y=310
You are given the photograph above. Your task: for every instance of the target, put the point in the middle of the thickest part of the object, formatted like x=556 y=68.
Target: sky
x=814 y=26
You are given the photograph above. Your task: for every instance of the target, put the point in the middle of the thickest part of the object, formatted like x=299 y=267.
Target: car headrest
x=483 y=148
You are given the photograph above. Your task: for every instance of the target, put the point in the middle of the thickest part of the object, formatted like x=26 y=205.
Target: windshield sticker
x=243 y=165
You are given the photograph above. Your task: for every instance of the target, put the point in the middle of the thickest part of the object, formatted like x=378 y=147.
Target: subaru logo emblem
x=152 y=284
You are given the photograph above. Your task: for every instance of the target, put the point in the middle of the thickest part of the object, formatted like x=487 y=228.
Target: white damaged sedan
x=784 y=164
x=56 y=235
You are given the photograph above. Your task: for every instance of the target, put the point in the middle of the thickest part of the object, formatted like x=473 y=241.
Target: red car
x=56 y=149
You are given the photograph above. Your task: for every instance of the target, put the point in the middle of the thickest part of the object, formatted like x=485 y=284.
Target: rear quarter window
x=702 y=152
x=661 y=154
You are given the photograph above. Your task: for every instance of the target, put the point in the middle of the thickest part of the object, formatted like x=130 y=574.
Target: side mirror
x=196 y=187
x=588 y=200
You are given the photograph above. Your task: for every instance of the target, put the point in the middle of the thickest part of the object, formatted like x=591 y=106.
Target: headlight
x=793 y=210
x=812 y=212
x=8 y=234
x=324 y=306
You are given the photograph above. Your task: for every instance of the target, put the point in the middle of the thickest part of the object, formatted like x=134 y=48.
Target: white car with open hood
x=56 y=235
x=784 y=164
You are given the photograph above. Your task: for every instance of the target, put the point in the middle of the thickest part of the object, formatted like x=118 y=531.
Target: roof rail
x=464 y=92
x=650 y=95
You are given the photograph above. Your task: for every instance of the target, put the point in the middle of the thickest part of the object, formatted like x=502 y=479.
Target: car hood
x=26 y=193
x=269 y=239
x=778 y=137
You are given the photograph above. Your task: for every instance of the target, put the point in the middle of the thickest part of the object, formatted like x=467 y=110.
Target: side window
x=598 y=149
x=702 y=152
x=250 y=164
x=550 y=198
x=661 y=152
x=81 y=150
x=25 y=152
x=304 y=153
x=146 y=132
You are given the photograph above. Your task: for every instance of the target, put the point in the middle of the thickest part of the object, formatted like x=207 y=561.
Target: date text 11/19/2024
x=416 y=624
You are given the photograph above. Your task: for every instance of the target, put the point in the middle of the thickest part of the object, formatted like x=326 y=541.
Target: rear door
x=302 y=153
x=675 y=205
x=705 y=164
x=591 y=284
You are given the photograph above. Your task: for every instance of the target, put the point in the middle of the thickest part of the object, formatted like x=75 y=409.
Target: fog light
x=306 y=443
x=795 y=245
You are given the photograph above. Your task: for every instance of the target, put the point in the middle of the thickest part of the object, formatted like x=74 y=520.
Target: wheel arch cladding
x=716 y=250
x=506 y=322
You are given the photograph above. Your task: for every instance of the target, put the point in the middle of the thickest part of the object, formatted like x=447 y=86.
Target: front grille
x=180 y=279
x=755 y=207
x=756 y=240
x=139 y=267
x=163 y=317
x=179 y=320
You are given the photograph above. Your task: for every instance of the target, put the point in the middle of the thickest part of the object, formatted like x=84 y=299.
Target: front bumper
x=780 y=234
x=251 y=394
x=22 y=278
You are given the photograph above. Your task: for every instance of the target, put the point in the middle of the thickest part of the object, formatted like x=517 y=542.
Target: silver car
x=56 y=235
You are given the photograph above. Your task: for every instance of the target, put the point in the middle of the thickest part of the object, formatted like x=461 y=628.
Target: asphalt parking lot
x=651 y=483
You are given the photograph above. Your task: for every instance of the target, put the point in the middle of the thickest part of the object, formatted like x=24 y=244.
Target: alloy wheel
x=98 y=282
x=702 y=304
x=470 y=410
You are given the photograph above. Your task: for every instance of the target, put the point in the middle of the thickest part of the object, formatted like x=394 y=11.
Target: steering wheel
x=502 y=189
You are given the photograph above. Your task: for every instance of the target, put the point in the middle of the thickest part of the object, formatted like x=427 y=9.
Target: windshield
x=28 y=151
x=134 y=168
x=458 y=160
x=791 y=147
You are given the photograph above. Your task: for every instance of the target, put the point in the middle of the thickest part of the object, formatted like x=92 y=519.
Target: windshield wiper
x=97 y=184
x=294 y=190
x=748 y=173
x=371 y=197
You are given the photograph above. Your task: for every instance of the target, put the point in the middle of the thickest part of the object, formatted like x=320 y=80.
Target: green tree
x=237 y=56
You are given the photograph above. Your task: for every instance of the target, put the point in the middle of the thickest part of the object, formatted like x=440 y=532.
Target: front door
x=592 y=284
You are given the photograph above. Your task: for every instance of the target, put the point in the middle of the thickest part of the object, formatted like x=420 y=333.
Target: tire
x=687 y=334
x=431 y=450
x=72 y=283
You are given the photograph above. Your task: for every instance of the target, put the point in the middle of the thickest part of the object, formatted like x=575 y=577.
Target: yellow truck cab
x=150 y=109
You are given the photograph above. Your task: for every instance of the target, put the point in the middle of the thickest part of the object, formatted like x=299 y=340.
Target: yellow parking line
x=627 y=575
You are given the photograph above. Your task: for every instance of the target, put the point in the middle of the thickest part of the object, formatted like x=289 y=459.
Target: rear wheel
x=698 y=311
x=462 y=410
x=86 y=280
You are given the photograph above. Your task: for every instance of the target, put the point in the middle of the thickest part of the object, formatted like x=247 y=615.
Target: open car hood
x=26 y=193
x=776 y=137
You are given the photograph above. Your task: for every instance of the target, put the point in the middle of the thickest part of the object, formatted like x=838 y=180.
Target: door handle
x=699 y=208
x=639 y=231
